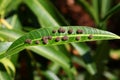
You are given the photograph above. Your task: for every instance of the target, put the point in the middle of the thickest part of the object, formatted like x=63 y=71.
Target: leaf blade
x=39 y=33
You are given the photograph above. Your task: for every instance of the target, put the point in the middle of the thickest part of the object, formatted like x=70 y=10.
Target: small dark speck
x=49 y=37
x=57 y=39
x=45 y=41
x=90 y=36
x=53 y=31
x=79 y=31
x=65 y=38
x=61 y=30
x=29 y=41
x=37 y=42
x=44 y=38
x=70 y=31
x=78 y=38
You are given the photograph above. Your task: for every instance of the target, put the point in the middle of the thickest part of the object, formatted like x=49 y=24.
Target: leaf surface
x=88 y=34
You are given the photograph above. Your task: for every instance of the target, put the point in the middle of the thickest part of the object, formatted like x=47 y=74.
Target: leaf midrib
x=84 y=35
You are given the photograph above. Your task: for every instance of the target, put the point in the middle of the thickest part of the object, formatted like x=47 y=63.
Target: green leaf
x=10 y=35
x=7 y=5
x=89 y=9
x=105 y=7
x=4 y=75
x=40 y=50
x=112 y=11
x=46 y=13
x=10 y=68
x=85 y=54
x=4 y=46
x=49 y=12
x=34 y=38
x=90 y=67
x=14 y=22
x=7 y=69
x=52 y=54
x=50 y=75
x=3 y=5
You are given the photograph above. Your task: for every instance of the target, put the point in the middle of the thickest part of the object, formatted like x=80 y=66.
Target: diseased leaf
x=61 y=36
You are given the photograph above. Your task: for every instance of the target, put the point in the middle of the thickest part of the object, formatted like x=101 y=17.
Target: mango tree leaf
x=47 y=36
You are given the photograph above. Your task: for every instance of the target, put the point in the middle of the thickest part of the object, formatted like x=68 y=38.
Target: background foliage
x=97 y=60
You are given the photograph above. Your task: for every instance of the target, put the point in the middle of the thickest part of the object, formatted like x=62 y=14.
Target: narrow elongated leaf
x=4 y=46
x=4 y=75
x=45 y=51
x=50 y=75
x=42 y=37
x=10 y=68
x=105 y=6
x=7 y=5
x=46 y=13
x=89 y=9
x=88 y=62
x=112 y=11
x=58 y=57
x=43 y=10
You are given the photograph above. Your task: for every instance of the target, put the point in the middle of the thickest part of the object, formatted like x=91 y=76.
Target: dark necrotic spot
x=53 y=31
x=61 y=30
x=44 y=38
x=45 y=41
x=79 y=31
x=65 y=38
x=29 y=41
x=37 y=42
x=90 y=36
x=49 y=37
x=57 y=39
x=78 y=38
x=70 y=31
